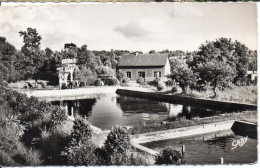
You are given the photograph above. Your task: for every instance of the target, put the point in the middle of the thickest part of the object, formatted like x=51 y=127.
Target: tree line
x=217 y=65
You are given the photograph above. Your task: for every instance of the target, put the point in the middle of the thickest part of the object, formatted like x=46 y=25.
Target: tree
x=218 y=73
x=252 y=61
x=181 y=73
x=168 y=157
x=7 y=59
x=235 y=54
x=31 y=50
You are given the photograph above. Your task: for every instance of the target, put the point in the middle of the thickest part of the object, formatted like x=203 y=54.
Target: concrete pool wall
x=220 y=128
x=190 y=101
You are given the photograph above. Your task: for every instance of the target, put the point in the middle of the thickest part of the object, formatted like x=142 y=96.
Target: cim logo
x=240 y=142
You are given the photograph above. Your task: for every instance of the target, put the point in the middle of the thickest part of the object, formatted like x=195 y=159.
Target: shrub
x=98 y=82
x=80 y=150
x=117 y=145
x=160 y=86
x=58 y=116
x=111 y=81
x=169 y=156
x=125 y=81
x=174 y=89
x=140 y=81
x=120 y=75
x=169 y=82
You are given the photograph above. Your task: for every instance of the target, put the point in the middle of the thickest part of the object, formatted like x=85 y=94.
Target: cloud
x=132 y=30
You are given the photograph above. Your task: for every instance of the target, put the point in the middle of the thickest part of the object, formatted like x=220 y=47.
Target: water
x=198 y=151
x=111 y=109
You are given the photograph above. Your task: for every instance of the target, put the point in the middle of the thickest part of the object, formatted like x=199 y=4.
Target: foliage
x=140 y=81
x=223 y=53
x=33 y=57
x=111 y=81
x=105 y=71
x=217 y=73
x=85 y=76
x=98 y=82
x=168 y=157
x=120 y=75
x=174 y=89
x=117 y=145
x=160 y=86
x=80 y=150
x=125 y=81
x=182 y=74
x=58 y=116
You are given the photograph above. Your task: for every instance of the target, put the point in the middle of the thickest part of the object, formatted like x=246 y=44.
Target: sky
x=132 y=26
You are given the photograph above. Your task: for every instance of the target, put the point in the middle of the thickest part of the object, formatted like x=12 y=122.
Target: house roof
x=143 y=60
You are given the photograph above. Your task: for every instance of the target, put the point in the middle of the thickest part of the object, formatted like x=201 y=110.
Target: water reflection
x=111 y=109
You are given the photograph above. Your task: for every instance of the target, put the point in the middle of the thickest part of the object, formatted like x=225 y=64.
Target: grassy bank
x=248 y=116
x=238 y=94
x=241 y=94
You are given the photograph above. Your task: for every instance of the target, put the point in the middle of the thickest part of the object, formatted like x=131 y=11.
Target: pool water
x=199 y=151
x=112 y=109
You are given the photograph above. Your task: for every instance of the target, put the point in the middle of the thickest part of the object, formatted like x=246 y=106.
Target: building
x=147 y=66
x=66 y=72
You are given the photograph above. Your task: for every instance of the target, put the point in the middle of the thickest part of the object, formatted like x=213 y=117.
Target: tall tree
x=31 y=50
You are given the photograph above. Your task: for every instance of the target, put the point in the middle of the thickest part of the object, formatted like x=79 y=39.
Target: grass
x=248 y=116
x=239 y=94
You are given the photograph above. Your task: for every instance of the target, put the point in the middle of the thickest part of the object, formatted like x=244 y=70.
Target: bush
x=169 y=156
x=170 y=82
x=80 y=150
x=58 y=116
x=117 y=145
x=174 y=89
x=111 y=81
x=140 y=81
x=125 y=81
x=98 y=82
x=160 y=86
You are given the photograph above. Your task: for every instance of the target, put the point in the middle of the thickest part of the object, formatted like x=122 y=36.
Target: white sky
x=132 y=26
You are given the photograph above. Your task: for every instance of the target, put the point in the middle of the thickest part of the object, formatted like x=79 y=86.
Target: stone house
x=147 y=66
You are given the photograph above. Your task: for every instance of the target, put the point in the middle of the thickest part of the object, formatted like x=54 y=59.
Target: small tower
x=66 y=70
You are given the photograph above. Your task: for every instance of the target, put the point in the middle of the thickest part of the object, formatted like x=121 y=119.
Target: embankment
x=189 y=101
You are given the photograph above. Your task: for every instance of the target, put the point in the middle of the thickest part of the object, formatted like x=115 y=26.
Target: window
x=141 y=74
x=157 y=74
x=128 y=74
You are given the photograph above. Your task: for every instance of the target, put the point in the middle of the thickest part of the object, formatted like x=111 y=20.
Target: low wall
x=189 y=101
x=181 y=132
x=137 y=140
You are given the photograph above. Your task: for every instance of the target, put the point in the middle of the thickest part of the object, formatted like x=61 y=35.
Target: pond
x=107 y=110
x=199 y=151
